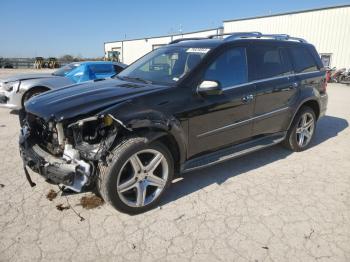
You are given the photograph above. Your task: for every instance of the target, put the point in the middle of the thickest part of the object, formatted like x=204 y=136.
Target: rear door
x=307 y=68
x=276 y=87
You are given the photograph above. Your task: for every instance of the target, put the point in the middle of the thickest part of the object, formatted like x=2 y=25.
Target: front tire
x=301 y=131
x=136 y=176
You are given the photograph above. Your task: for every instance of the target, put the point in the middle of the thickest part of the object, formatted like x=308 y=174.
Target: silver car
x=16 y=90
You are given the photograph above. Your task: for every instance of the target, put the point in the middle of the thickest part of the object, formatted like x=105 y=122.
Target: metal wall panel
x=327 y=29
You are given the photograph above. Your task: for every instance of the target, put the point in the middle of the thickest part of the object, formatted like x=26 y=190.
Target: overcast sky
x=80 y=27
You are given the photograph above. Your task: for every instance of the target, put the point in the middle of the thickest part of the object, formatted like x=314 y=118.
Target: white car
x=16 y=90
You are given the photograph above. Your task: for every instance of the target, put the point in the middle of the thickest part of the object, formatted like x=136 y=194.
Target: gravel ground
x=272 y=205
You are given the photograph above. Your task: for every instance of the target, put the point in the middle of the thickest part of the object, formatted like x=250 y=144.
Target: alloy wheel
x=305 y=129
x=142 y=178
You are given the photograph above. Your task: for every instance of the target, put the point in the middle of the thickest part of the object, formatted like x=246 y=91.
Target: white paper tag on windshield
x=197 y=50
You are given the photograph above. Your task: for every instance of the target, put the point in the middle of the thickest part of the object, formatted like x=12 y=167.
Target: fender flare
x=150 y=122
x=309 y=99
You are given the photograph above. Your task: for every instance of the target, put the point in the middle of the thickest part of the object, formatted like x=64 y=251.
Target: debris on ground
x=309 y=236
x=61 y=207
x=2 y=185
x=265 y=248
x=133 y=246
x=68 y=204
x=179 y=217
x=2 y=125
x=90 y=202
x=51 y=195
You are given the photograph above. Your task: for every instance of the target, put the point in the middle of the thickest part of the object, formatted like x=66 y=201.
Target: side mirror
x=209 y=87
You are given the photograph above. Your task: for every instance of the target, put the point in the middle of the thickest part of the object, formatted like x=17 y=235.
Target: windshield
x=164 y=65
x=65 y=70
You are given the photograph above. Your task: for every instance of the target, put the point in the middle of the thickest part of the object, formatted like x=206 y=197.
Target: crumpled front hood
x=81 y=99
x=26 y=77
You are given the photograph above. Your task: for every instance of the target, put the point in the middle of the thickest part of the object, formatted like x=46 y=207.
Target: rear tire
x=130 y=184
x=301 y=131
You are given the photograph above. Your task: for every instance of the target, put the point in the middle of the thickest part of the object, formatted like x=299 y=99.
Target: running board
x=233 y=152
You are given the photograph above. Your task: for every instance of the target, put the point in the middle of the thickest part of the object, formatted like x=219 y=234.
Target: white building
x=132 y=49
x=327 y=28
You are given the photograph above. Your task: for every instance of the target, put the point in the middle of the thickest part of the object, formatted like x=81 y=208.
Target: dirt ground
x=272 y=205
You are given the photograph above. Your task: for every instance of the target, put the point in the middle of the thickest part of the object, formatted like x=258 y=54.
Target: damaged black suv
x=184 y=106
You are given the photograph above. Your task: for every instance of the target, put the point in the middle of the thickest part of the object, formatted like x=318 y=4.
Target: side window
x=303 y=60
x=230 y=68
x=269 y=61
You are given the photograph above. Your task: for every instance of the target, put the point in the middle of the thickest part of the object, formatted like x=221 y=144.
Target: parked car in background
x=184 y=106
x=16 y=90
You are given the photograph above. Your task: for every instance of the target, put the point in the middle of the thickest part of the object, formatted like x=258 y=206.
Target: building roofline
x=287 y=13
x=142 y=38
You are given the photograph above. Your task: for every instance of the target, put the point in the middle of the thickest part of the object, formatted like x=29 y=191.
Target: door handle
x=247 y=98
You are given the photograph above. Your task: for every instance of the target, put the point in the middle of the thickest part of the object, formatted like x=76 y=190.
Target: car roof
x=98 y=62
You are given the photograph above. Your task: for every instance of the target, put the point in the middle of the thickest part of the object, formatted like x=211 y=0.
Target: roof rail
x=217 y=35
x=238 y=35
x=284 y=37
x=186 y=39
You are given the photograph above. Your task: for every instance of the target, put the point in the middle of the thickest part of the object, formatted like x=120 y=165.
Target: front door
x=223 y=119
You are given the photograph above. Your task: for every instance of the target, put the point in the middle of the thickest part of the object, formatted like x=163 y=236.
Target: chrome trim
x=305 y=73
x=241 y=122
x=268 y=79
x=237 y=154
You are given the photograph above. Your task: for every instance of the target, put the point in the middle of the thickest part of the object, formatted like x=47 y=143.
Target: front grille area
x=44 y=134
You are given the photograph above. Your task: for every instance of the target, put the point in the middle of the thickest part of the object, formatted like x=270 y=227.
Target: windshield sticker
x=197 y=50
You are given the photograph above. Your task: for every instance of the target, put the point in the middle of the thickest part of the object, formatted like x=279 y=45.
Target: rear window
x=118 y=69
x=102 y=68
x=303 y=60
x=269 y=61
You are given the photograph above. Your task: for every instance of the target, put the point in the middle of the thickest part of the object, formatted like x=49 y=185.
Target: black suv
x=184 y=106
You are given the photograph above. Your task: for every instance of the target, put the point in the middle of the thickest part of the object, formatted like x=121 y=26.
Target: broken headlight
x=10 y=86
x=94 y=135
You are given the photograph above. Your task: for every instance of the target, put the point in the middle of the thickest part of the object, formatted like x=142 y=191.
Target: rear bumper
x=323 y=104
x=57 y=170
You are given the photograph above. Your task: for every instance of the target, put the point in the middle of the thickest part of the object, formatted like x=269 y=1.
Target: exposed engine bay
x=67 y=153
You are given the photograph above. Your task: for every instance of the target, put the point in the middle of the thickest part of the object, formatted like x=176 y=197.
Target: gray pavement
x=272 y=205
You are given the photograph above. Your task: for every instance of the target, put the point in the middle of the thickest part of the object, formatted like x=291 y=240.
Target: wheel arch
x=312 y=103
x=167 y=139
x=153 y=124
x=31 y=89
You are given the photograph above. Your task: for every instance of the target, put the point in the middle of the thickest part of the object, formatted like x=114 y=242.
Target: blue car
x=16 y=90
x=85 y=71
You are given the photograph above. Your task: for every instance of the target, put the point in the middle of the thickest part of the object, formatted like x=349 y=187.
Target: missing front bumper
x=72 y=174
